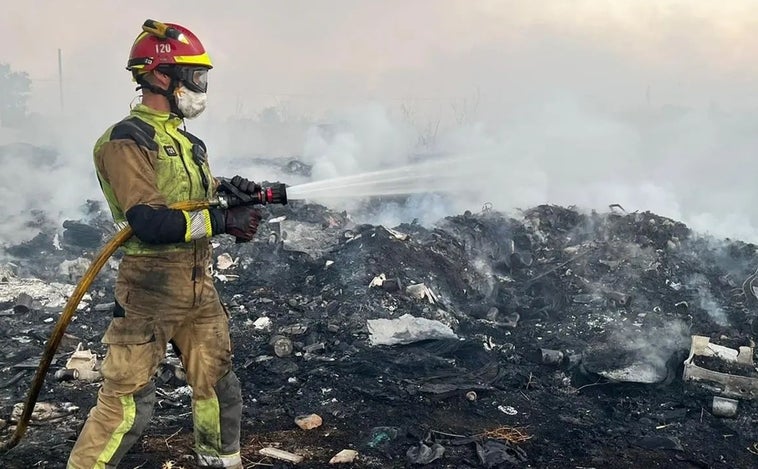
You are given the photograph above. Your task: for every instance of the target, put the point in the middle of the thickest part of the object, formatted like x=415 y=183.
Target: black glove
x=245 y=185
x=240 y=222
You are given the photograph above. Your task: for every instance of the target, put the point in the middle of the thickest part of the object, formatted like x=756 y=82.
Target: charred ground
x=608 y=290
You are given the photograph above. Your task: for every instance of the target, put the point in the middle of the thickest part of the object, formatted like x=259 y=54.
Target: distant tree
x=15 y=88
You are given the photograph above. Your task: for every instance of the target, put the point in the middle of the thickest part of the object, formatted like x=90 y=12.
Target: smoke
x=45 y=182
x=654 y=346
x=567 y=154
x=706 y=301
x=360 y=140
x=586 y=104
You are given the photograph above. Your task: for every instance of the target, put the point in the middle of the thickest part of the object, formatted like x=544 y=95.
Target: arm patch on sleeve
x=137 y=130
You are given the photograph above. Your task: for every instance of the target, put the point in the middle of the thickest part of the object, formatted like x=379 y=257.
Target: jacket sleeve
x=129 y=169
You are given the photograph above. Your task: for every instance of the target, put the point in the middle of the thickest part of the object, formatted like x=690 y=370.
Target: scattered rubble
x=308 y=422
x=406 y=329
x=84 y=364
x=730 y=365
x=346 y=456
x=484 y=341
x=282 y=346
x=420 y=292
x=282 y=455
x=44 y=411
x=423 y=454
x=262 y=324
x=32 y=293
x=23 y=303
x=724 y=407
x=225 y=261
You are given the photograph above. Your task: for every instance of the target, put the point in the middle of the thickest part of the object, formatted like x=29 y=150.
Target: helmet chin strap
x=168 y=93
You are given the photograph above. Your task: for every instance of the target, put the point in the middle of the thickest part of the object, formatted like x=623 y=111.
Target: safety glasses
x=194 y=78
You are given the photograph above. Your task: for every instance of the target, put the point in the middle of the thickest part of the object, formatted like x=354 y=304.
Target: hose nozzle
x=231 y=196
x=275 y=194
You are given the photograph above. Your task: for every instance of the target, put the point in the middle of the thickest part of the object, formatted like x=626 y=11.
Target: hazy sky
x=649 y=103
x=687 y=51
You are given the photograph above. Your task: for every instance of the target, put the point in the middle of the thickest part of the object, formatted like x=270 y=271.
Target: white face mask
x=190 y=103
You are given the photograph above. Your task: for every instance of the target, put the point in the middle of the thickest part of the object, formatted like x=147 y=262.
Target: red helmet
x=166 y=43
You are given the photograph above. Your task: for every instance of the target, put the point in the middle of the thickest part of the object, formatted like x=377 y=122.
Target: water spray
x=443 y=175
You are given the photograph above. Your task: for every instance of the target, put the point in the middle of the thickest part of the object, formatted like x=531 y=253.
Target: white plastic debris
x=263 y=323
x=378 y=281
x=82 y=359
x=57 y=243
x=225 y=261
x=278 y=219
x=345 y=456
x=406 y=329
x=113 y=263
x=185 y=390
x=84 y=362
x=397 y=234
x=225 y=277
x=506 y=409
x=421 y=291
x=328 y=263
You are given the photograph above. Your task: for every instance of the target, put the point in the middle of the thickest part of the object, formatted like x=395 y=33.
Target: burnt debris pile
x=549 y=338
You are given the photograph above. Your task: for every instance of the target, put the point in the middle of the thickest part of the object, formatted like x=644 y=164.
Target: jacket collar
x=152 y=115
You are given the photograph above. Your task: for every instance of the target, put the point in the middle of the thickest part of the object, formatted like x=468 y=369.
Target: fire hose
x=275 y=194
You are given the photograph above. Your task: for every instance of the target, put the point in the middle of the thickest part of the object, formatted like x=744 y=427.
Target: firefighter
x=164 y=290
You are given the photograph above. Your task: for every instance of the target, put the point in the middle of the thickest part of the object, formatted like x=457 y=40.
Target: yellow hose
x=68 y=312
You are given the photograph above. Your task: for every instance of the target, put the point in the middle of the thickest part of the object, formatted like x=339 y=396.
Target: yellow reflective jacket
x=146 y=159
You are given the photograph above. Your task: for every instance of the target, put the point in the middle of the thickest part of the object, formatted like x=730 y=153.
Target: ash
x=422 y=345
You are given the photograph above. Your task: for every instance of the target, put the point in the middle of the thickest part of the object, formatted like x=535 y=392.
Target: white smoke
x=565 y=154
x=706 y=301
x=582 y=105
